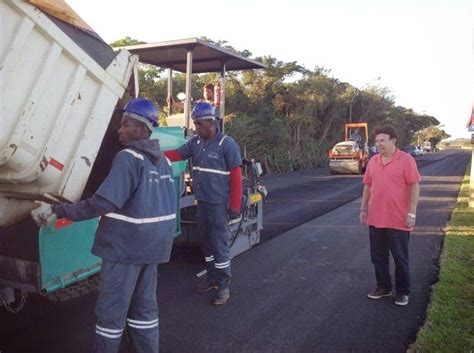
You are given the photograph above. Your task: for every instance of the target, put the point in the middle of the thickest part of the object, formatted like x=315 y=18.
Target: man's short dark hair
x=209 y=86
x=388 y=130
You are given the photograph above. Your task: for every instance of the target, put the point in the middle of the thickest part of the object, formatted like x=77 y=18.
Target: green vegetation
x=457 y=143
x=449 y=326
x=433 y=134
x=289 y=116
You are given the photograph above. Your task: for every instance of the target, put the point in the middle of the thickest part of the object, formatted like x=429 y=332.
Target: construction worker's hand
x=363 y=217
x=43 y=214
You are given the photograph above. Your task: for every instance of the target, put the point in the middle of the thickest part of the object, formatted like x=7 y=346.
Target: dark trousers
x=127 y=296
x=214 y=234
x=384 y=241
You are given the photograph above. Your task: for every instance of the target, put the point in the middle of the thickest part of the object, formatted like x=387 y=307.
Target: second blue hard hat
x=203 y=111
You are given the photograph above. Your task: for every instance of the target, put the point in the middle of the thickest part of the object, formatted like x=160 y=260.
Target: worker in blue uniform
x=211 y=95
x=355 y=136
x=217 y=186
x=137 y=202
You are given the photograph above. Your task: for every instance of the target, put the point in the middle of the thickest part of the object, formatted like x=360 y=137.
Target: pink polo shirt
x=389 y=201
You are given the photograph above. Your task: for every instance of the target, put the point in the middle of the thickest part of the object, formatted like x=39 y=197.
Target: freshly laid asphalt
x=302 y=290
x=305 y=290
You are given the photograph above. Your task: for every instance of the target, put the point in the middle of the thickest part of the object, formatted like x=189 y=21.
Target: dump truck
x=351 y=155
x=62 y=86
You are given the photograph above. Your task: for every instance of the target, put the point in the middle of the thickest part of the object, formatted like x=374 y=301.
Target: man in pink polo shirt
x=389 y=200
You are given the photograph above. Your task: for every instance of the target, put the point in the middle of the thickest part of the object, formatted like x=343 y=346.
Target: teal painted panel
x=65 y=254
x=170 y=138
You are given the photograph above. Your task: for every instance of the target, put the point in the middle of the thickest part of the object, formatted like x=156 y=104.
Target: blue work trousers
x=214 y=234
x=127 y=296
x=384 y=241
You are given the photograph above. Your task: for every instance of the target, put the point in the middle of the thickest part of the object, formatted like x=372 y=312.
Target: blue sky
x=420 y=49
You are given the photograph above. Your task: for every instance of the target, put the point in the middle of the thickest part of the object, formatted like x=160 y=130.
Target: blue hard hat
x=143 y=110
x=203 y=111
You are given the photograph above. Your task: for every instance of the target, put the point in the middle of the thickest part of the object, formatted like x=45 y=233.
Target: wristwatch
x=412 y=215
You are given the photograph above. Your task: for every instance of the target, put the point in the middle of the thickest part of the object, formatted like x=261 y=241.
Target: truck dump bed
x=59 y=86
x=60 y=83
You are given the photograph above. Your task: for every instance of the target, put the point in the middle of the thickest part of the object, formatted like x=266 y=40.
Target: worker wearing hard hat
x=212 y=94
x=137 y=202
x=217 y=185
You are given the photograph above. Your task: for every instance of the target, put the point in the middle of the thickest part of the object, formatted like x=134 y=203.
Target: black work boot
x=221 y=297
x=205 y=287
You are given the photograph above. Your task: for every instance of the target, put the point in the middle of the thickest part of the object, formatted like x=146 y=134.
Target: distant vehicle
x=427 y=146
x=414 y=150
x=422 y=151
x=373 y=151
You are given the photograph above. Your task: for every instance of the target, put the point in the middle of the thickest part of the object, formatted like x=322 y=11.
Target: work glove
x=43 y=214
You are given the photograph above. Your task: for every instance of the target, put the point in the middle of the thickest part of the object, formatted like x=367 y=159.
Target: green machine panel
x=65 y=254
x=171 y=138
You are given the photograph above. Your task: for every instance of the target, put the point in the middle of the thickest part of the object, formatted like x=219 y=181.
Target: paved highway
x=302 y=290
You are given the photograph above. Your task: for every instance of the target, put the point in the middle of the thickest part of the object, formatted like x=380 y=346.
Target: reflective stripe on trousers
x=215 y=237
x=127 y=295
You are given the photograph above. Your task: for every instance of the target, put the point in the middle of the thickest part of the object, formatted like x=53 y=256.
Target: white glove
x=43 y=214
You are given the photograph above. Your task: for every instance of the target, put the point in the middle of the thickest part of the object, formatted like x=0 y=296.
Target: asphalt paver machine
x=193 y=56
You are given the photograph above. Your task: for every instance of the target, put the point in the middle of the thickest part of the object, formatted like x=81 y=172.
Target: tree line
x=289 y=116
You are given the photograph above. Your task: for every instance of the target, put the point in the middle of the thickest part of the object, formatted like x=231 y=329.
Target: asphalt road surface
x=303 y=289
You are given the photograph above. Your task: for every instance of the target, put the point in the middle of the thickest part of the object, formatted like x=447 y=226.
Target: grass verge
x=449 y=326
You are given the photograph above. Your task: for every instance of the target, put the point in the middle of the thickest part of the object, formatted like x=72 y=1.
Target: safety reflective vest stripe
x=222 y=140
x=121 y=217
x=108 y=332
x=134 y=154
x=209 y=170
x=209 y=259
